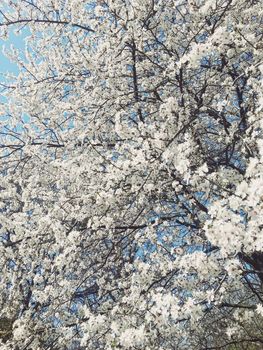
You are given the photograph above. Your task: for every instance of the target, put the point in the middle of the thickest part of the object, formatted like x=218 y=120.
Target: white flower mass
x=131 y=159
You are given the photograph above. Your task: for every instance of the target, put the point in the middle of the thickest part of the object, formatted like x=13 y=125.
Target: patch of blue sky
x=7 y=67
x=18 y=42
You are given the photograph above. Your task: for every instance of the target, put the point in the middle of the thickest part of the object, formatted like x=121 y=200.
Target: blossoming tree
x=131 y=175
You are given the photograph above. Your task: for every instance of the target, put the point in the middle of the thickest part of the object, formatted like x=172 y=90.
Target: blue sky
x=18 y=41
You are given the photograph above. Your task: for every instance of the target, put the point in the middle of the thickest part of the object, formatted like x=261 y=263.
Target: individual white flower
x=20 y=330
x=259 y=309
x=231 y=331
x=132 y=337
